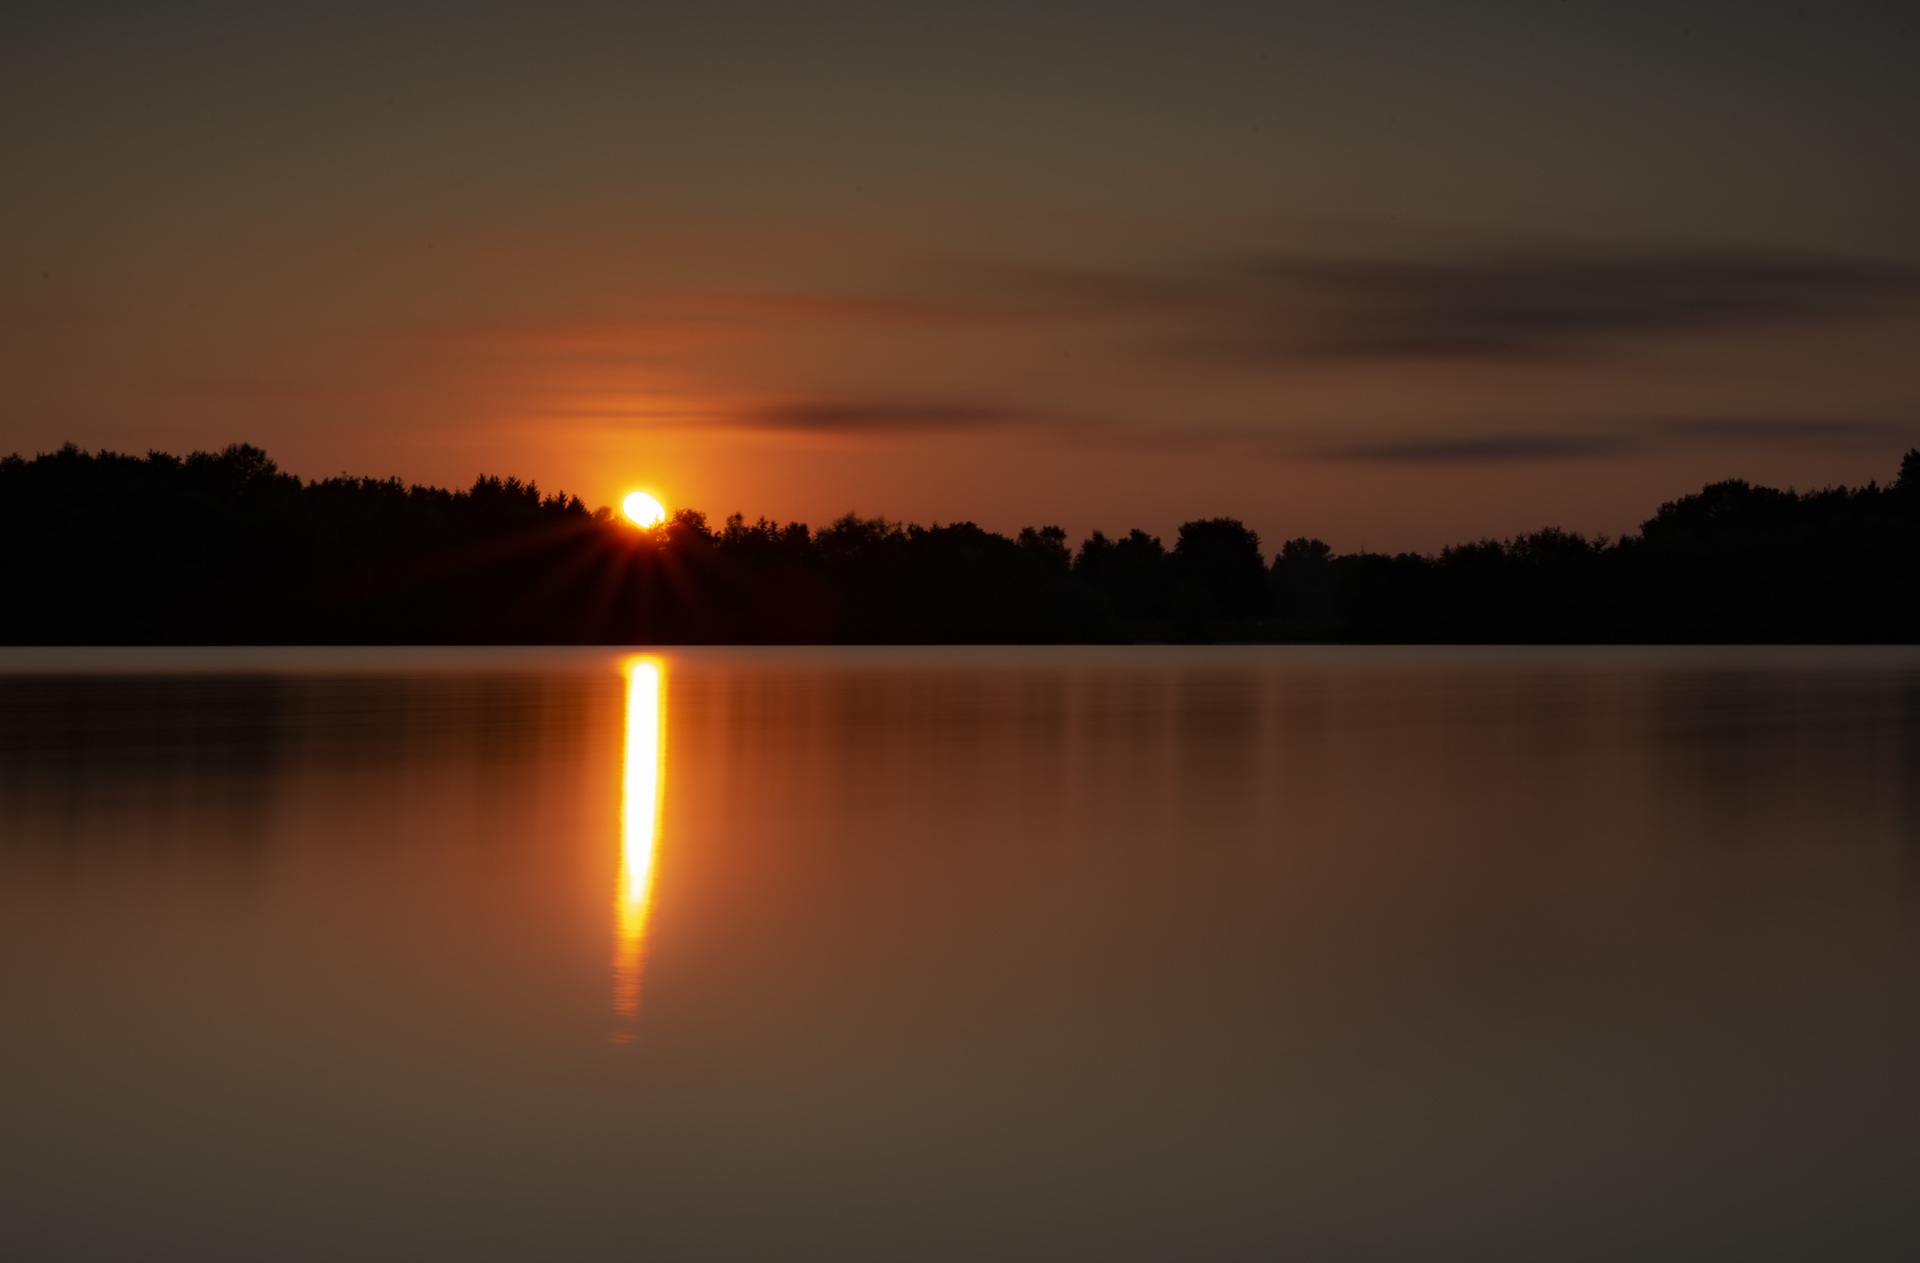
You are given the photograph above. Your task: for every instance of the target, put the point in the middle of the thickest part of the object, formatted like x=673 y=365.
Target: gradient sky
x=1391 y=274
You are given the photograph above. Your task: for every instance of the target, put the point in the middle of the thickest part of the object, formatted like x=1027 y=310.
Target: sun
x=644 y=509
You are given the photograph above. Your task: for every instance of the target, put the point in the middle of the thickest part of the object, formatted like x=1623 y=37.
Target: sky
x=1394 y=275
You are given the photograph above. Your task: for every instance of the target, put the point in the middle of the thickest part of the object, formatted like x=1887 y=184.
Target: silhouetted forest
x=223 y=548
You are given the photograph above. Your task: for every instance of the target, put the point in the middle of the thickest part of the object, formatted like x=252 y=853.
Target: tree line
x=224 y=548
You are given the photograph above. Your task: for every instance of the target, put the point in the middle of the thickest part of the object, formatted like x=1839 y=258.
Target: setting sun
x=643 y=509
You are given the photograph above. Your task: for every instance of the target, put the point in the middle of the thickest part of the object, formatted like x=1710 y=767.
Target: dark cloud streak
x=866 y=416
x=1475 y=449
x=1623 y=440
x=1529 y=305
x=1499 y=302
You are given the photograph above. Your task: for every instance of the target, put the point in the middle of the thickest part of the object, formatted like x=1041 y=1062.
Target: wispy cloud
x=1778 y=429
x=1481 y=448
x=1487 y=304
x=1629 y=438
x=1160 y=356
x=1528 y=305
x=1578 y=440
x=873 y=416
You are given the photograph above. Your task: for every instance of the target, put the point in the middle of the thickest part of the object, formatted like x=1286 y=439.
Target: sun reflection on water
x=642 y=775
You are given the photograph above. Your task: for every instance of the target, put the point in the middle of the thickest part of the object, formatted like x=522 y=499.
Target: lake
x=960 y=953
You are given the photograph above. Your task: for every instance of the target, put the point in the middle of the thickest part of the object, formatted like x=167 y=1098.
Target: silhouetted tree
x=223 y=547
x=1128 y=576
x=1048 y=548
x=1218 y=571
x=1302 y=582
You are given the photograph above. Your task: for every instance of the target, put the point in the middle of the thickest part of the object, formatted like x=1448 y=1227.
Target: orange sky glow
x=933 y=276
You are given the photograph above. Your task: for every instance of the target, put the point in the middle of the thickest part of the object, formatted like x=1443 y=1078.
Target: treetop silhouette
x=223 y=547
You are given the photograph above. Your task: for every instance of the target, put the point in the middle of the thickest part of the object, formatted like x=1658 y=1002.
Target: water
x=960 y=953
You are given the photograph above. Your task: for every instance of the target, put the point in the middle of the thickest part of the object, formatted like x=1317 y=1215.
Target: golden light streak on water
x=643 y=775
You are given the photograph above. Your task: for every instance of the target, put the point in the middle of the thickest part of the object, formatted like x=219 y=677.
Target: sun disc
x=643 y=509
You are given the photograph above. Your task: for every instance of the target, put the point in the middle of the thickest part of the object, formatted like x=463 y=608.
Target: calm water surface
x=960 y=954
